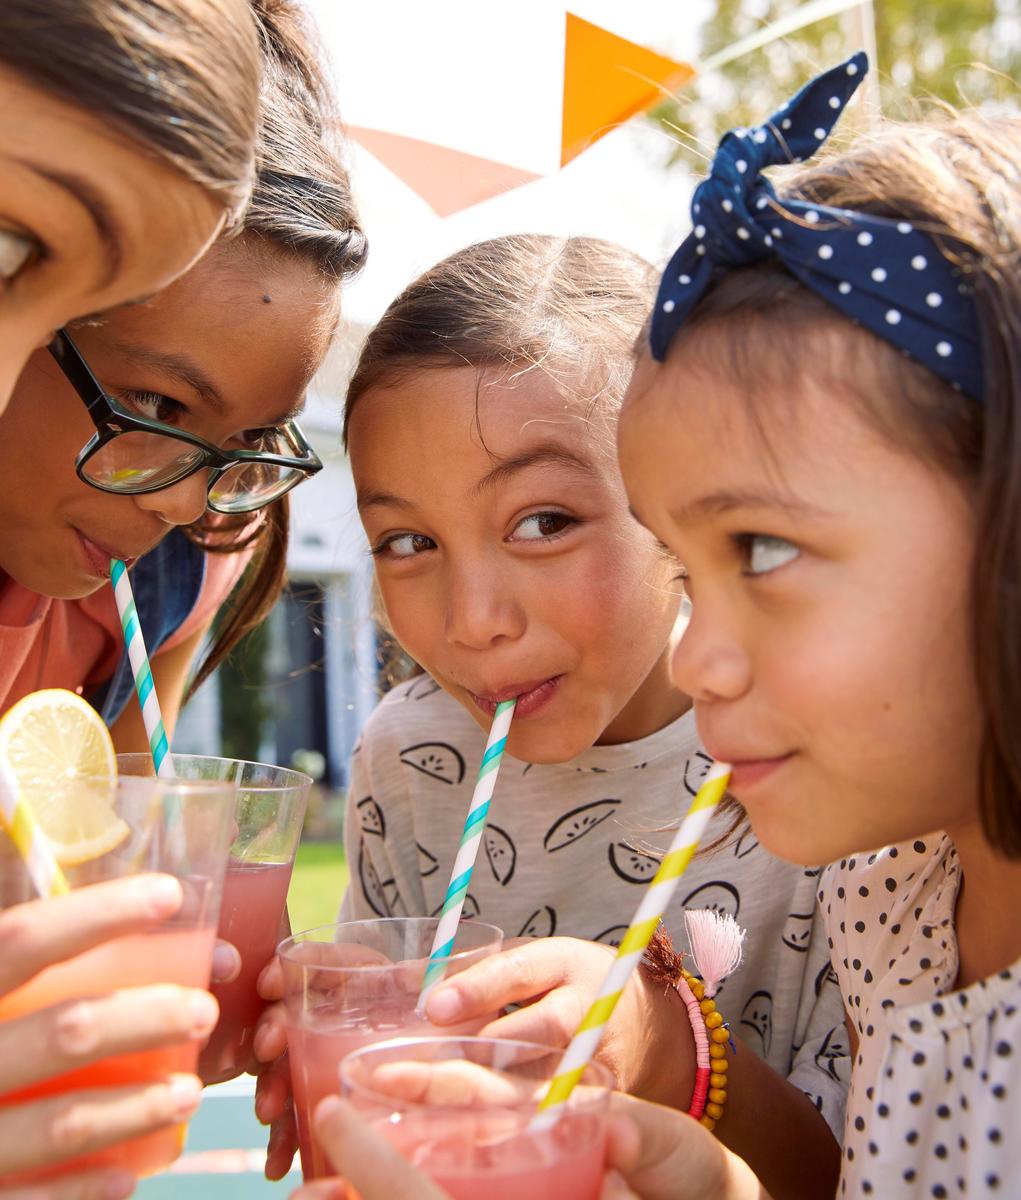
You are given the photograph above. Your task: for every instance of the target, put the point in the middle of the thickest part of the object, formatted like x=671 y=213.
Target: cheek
x=413 y=614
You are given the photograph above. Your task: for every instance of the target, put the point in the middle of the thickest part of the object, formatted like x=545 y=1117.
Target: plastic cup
x=268 y=817
x=460 y=1110
x=354 y=983
x=178 y=827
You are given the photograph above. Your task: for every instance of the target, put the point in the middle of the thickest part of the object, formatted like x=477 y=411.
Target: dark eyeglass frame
x=112 y=419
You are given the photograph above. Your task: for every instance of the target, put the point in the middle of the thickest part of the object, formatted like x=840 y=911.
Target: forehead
x=478 y=414
x=687 y=428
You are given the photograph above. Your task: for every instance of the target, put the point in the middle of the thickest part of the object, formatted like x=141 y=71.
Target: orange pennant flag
x=608 y=79
x=447 y=180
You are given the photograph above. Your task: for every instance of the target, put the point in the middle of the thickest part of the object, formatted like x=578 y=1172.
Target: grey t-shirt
x=567 y=850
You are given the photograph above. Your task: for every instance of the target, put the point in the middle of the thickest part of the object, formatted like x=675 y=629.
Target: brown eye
x=542 y=525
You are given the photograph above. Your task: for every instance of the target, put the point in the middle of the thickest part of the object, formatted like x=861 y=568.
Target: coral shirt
x=76 y=644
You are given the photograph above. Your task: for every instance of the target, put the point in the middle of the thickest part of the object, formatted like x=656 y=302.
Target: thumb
x=365 y=1158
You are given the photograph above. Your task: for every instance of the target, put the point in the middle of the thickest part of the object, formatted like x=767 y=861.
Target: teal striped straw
x=467 y=851
x=152 y=718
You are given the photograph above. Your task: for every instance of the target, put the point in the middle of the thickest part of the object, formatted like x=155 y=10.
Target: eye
x=154 y=406
x=403 y=545
x=15 y=250
x=257 y=439
x=542 y=525
x=763 y=553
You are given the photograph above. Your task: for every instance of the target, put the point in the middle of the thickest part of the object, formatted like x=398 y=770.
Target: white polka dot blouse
x=932 y=1109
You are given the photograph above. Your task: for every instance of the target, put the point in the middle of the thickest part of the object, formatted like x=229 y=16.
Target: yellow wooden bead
x=697 y=989
x=714 y=1110
x=707 y=1006
x=708 y=1122
x=718 y=1095
x=713 y=1021
x=722 y=1065
x=717 y=1080
x=717 y=1051
x=721 y=1036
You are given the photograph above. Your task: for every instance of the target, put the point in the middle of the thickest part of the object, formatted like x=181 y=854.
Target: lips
x=97 y=555
x=531 y=697
x=746 y=770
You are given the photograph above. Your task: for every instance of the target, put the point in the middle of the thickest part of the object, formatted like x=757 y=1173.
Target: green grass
x=317 y=885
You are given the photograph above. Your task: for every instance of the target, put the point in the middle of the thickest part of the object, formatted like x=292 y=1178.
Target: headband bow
x=884 y=274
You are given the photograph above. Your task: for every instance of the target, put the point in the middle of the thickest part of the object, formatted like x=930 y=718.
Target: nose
x=482 y=610
x=181 y=503
x=707 y=661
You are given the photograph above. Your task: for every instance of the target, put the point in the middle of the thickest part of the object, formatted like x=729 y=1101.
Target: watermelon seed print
x=371 y=817
x=437 y=760
x=575 y=824
x=501 y=853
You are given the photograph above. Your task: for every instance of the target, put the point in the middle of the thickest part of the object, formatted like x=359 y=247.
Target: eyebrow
x=718 y=504
x=179 y=367
x=95 y=205
x=550 y=453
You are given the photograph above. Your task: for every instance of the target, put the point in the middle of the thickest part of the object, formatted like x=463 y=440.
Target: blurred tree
x=964 y=52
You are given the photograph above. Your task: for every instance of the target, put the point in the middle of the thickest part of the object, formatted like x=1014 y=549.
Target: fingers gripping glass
x=130 y=455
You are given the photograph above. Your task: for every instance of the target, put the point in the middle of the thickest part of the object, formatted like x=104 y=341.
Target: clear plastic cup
x=460 y=1109
x=350 y=984
x=268 y=817
x=178 y=827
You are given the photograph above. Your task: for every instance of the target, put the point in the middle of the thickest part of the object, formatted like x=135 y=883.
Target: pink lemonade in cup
x=268 y=818
x=181 y=828
x=355 y=983
x=179 y=956
x=470 y=1133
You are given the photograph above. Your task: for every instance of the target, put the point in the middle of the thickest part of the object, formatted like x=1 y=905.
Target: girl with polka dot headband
x=827 y=434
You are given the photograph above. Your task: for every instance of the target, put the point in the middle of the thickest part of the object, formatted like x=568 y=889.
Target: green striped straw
x=467 y=852
x=152 y=718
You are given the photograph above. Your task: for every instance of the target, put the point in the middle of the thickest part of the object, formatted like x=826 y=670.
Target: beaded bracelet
x=711 y=1064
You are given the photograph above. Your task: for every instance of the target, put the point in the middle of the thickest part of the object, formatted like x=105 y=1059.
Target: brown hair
x=180 y=77
x=571 y=306
x=959 y=178
x=302 y=206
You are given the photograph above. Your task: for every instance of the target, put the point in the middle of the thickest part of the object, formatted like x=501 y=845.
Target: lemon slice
x=60 y=753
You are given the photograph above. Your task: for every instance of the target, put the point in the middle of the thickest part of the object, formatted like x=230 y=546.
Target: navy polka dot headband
x=886 y=275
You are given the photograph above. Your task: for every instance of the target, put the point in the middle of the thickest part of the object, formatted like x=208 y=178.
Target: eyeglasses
x=131 y=455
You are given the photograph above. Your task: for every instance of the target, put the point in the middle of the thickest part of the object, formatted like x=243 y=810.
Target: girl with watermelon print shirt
x=480 y=424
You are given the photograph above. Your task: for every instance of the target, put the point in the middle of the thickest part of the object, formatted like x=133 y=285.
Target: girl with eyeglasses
x=163 y=434
x=213 y=367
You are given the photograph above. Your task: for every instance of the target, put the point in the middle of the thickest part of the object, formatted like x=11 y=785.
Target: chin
x=546 y=744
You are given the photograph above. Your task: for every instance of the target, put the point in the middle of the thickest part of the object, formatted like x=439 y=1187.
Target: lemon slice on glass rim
x=60 y=754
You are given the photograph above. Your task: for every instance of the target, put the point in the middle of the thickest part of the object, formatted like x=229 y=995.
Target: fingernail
x=185 y=1091
x=119 y=1185
x=204 y=1013
x=327 y=1108
x=161 y=893
x=443 y=1005
x=226 y=963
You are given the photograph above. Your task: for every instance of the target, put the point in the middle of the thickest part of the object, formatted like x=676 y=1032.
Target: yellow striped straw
x=657 y=896
x=29 y=840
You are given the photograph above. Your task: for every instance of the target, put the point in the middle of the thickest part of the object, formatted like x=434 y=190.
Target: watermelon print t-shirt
x=567 y=850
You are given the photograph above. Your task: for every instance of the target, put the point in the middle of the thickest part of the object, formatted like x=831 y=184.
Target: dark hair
x=571 y=306
x=180 y=77
x=301 y=206
x=958 y=177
